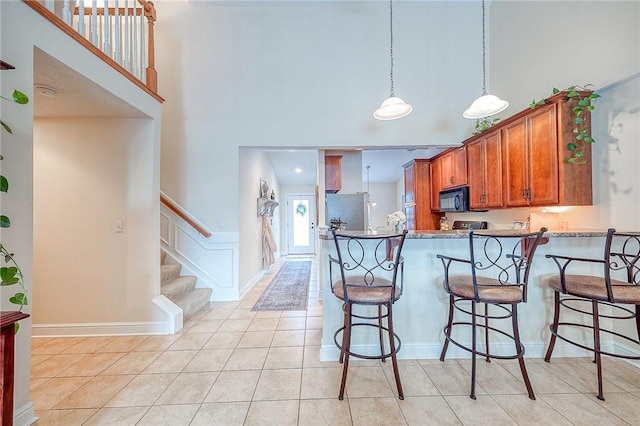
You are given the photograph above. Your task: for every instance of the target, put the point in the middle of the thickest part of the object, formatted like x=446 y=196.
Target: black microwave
x=454 y=200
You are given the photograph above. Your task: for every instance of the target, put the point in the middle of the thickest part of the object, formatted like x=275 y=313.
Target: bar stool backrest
x=504 y=256
x=621 y=259
x=368 y=260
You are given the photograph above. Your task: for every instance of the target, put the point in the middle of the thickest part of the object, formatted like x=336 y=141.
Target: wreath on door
x=301 y=209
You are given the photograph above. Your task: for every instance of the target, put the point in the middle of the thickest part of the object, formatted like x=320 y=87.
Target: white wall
x=22 y=29
x=386 y=197
x=254 y=165
x=302 y=74
x=88 y=174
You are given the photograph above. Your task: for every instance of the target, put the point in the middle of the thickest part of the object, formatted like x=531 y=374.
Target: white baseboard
x=25 y=415
x=253 y=281
x=99 y=329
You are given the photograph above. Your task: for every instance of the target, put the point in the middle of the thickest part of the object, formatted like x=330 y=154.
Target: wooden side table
x=7 y=327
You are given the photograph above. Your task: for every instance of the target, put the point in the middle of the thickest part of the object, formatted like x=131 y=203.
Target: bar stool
x=621 y=259
x=364 y=273
x=497 y=274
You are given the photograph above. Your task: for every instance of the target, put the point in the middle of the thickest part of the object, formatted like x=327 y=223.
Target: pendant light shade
x=485 y=105
x=393 y=107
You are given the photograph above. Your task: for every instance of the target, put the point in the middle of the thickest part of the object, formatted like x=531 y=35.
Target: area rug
x=289 y=289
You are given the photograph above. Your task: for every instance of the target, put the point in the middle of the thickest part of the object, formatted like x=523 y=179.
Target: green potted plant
x=10 y=272
x=581 y=98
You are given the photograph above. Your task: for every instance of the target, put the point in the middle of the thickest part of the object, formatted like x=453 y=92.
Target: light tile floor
x=232 y=366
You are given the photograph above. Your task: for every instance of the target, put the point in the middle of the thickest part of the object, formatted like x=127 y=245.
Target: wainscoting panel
x=213 y=260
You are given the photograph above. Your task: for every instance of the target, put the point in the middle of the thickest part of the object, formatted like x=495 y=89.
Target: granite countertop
x=419 y=235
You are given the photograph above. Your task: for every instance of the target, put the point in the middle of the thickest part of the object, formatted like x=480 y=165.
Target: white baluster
x=50 y=5
x=143 y=45
x=117 y=34
x=135 y=39
x=107 y=29
x=126 y=35
x=81 y=28
x=94 y=22
x=66 y=12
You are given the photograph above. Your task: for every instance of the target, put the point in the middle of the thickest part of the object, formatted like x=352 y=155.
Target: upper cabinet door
x=485 y=172
x=543 y=156
x=436 y=185
x=515 y=176
x=332 y=173
x=410 y=183
x=453 y=170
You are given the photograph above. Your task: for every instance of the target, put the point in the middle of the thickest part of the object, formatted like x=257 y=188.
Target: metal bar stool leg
x=344 y=322
x=380 y=334
x=596 y=347
x=346 y=345
x=486 y=331
x=392 y=348
x=554 y=325
x=447 y=329
x=638 y=320
x=519 y=350
x=473 y=350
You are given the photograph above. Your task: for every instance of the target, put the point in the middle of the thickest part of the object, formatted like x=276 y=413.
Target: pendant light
x=393 y=107
x=485 y=105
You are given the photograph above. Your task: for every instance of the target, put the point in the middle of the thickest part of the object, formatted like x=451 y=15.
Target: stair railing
x=121 y=29
x=184 y=215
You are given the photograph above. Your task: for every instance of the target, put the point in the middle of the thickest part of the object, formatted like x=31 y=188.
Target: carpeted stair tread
x=178 y=287
x=182 y=290
x=170 y=272
x=194 y=301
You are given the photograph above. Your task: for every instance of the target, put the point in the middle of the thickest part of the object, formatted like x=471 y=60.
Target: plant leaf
x=6 y=126
x=556 y=90
x=572 y=94
x=572 y=146
x=4 y=221
x=9 y=275
x=571 y=160
x=594 y=96
x=20 y=98
x=578 y=120
x=19 y=299
x=580 y=136
x=579 y=154
x=4 y=184
x=589 y=139
x=583 y=102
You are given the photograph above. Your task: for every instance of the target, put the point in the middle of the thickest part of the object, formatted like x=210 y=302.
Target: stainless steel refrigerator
x=349 y=211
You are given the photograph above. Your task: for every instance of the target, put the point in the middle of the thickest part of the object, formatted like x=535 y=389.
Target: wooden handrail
x=184 y=215
x=55 y=20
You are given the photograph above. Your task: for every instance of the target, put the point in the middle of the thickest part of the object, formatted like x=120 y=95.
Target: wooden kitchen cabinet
x=535 y=169
x=417 y=196
x=436 y=185
x=332 y=173
x=484 y=159
x=453 y=170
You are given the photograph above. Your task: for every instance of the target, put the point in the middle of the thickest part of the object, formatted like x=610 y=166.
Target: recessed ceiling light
x=298 y=170
x=45 y=90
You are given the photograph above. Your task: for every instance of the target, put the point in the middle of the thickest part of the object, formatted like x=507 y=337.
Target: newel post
x=152 y=75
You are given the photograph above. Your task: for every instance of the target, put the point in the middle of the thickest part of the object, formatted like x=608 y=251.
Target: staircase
x=182 y=290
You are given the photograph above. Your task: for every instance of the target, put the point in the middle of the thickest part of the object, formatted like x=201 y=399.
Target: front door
x=301 y=227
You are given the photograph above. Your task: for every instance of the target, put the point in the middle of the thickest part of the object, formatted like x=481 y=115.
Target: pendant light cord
x=391 y=44
x=484 y=52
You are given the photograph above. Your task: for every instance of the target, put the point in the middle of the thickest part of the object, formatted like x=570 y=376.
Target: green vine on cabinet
x=582 y=97
x=11 y=274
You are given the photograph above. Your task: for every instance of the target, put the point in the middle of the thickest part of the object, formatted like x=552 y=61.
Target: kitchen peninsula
x=420 y=314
